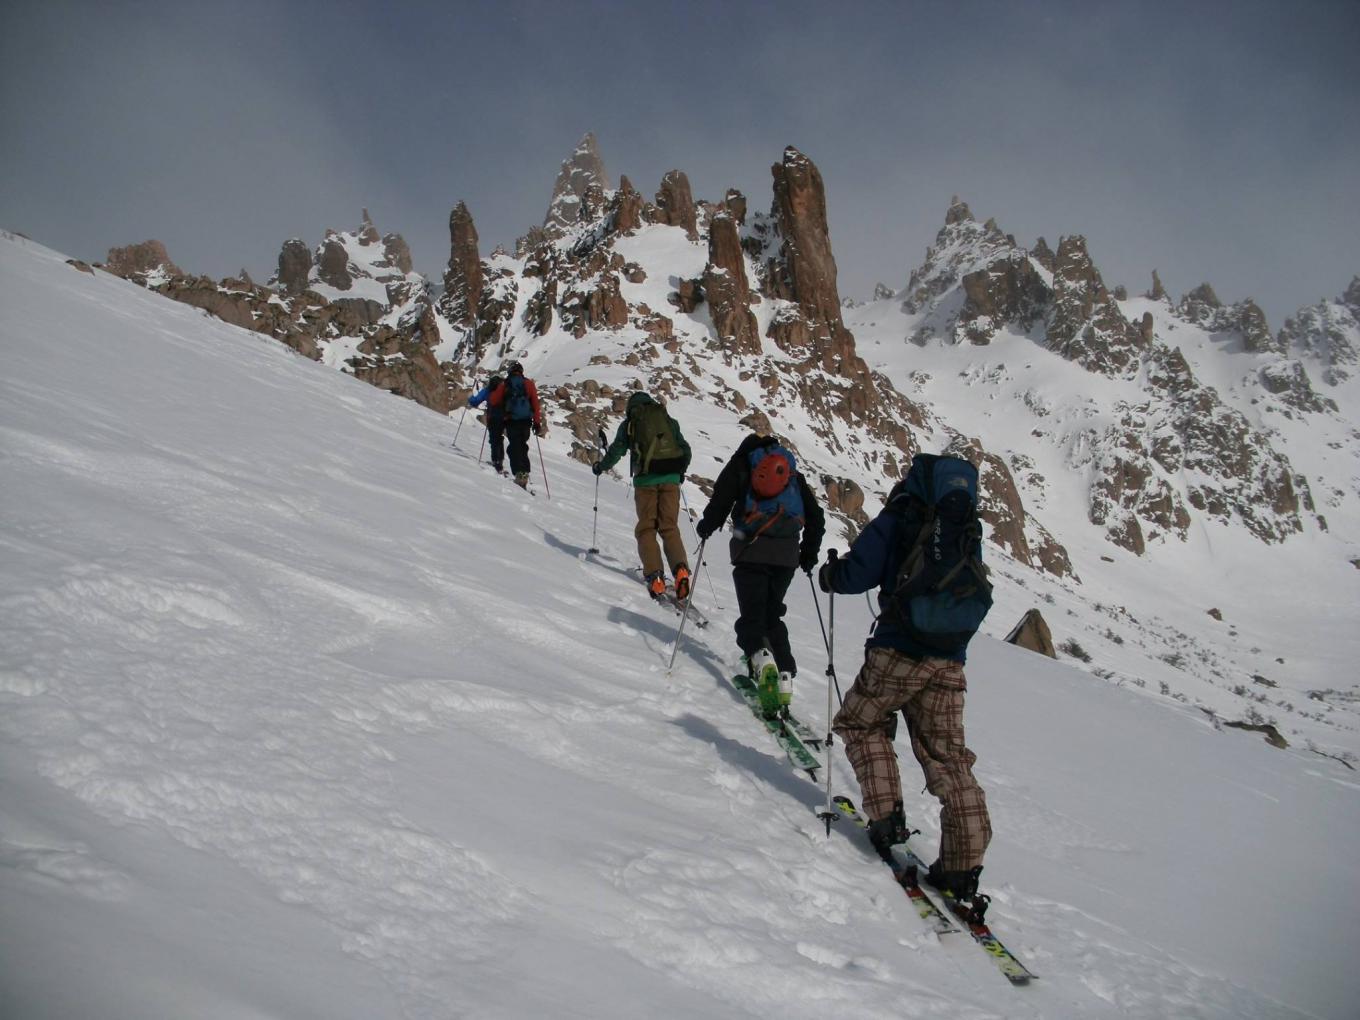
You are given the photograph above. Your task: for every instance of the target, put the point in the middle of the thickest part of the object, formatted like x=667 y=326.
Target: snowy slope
x=302 y=713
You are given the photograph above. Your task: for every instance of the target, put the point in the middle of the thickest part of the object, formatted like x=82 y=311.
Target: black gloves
x=807 y=559
x=704 y=529
x=826 y=577
x=596 y=469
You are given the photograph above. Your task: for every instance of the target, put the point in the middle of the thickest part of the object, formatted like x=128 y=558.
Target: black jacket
x=729 y=495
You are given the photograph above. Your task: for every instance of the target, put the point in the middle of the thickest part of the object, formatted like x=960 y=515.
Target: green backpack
x=653 y=443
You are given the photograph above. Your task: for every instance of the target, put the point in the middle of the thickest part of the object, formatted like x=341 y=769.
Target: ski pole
x=695 y=528
x=542 y=467
x=485 y=429
x=595 y=525
x=685 y=615
x=460 y=425
x=829 y=637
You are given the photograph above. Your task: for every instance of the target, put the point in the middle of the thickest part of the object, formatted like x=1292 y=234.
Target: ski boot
x=522 y=480
x=886 y=832
x=961 y=887
x=681 y=582
x=765 y=675
x=785 y=693
x=656 y=585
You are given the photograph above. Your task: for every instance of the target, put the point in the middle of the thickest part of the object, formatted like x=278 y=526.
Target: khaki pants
x=658 y=510
x=930 y=693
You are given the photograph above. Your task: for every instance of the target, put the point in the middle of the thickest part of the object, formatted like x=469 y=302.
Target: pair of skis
x=795 y=738
x=797 y=741
x=907 y=869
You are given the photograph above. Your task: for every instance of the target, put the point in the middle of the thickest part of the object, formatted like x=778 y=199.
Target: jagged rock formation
x=675 y=203
x=801 y=270
x=1010 y=290
x=463 y=278
x=143 y=262
x=1157 y=458
x=617 y=274
x=1328 y=335
x=961 y=243
x=627 y=208
x=582 y=172
x=1085 y=324
x=355 y=293
x=1203 y=308
x=727 y=290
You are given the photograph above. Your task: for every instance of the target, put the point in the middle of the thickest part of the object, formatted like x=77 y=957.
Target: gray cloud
x=1208 y=140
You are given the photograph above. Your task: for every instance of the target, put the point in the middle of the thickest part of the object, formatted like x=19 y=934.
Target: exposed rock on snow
x=1032 y=632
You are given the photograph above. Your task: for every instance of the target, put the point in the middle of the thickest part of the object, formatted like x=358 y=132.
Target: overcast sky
x=1214 y=141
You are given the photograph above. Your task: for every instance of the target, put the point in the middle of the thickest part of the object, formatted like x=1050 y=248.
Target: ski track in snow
x=261 y=611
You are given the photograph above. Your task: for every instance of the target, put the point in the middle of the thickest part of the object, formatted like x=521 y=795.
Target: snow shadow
x=767 y=765
x=664 y=631
x=583 y=554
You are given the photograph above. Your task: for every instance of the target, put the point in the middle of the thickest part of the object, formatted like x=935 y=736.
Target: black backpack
x=941 y=593
x=516 y=401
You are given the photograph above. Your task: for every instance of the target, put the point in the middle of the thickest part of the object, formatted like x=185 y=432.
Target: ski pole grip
x=832 y=555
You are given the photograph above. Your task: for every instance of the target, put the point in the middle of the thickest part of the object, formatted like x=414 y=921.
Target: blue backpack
x=941 y=593
x=516 y=399
x=774 y=502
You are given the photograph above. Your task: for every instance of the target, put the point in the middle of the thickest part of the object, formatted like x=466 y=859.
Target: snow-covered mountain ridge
x=304 y=713
x=1105 y=426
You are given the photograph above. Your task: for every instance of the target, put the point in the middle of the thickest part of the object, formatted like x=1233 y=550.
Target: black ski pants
x=761 y=588
x=517 y=434
x=495 y=427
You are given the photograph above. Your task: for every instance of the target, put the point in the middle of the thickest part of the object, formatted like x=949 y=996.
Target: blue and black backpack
x=774 y=502
x=941 y=593
x=516 y=399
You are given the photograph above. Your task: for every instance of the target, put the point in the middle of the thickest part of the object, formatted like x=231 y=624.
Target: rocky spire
x=726 y=289
x=579 y=172
x=1158 y=292
x=295 y=266
x=628 y=204
x=368 y=233
x=332 y=264
x=958 y=212
x=805 y=270
x=675 y=203
x=463 y=278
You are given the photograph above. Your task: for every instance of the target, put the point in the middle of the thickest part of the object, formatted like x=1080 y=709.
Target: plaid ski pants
x=929 y=692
